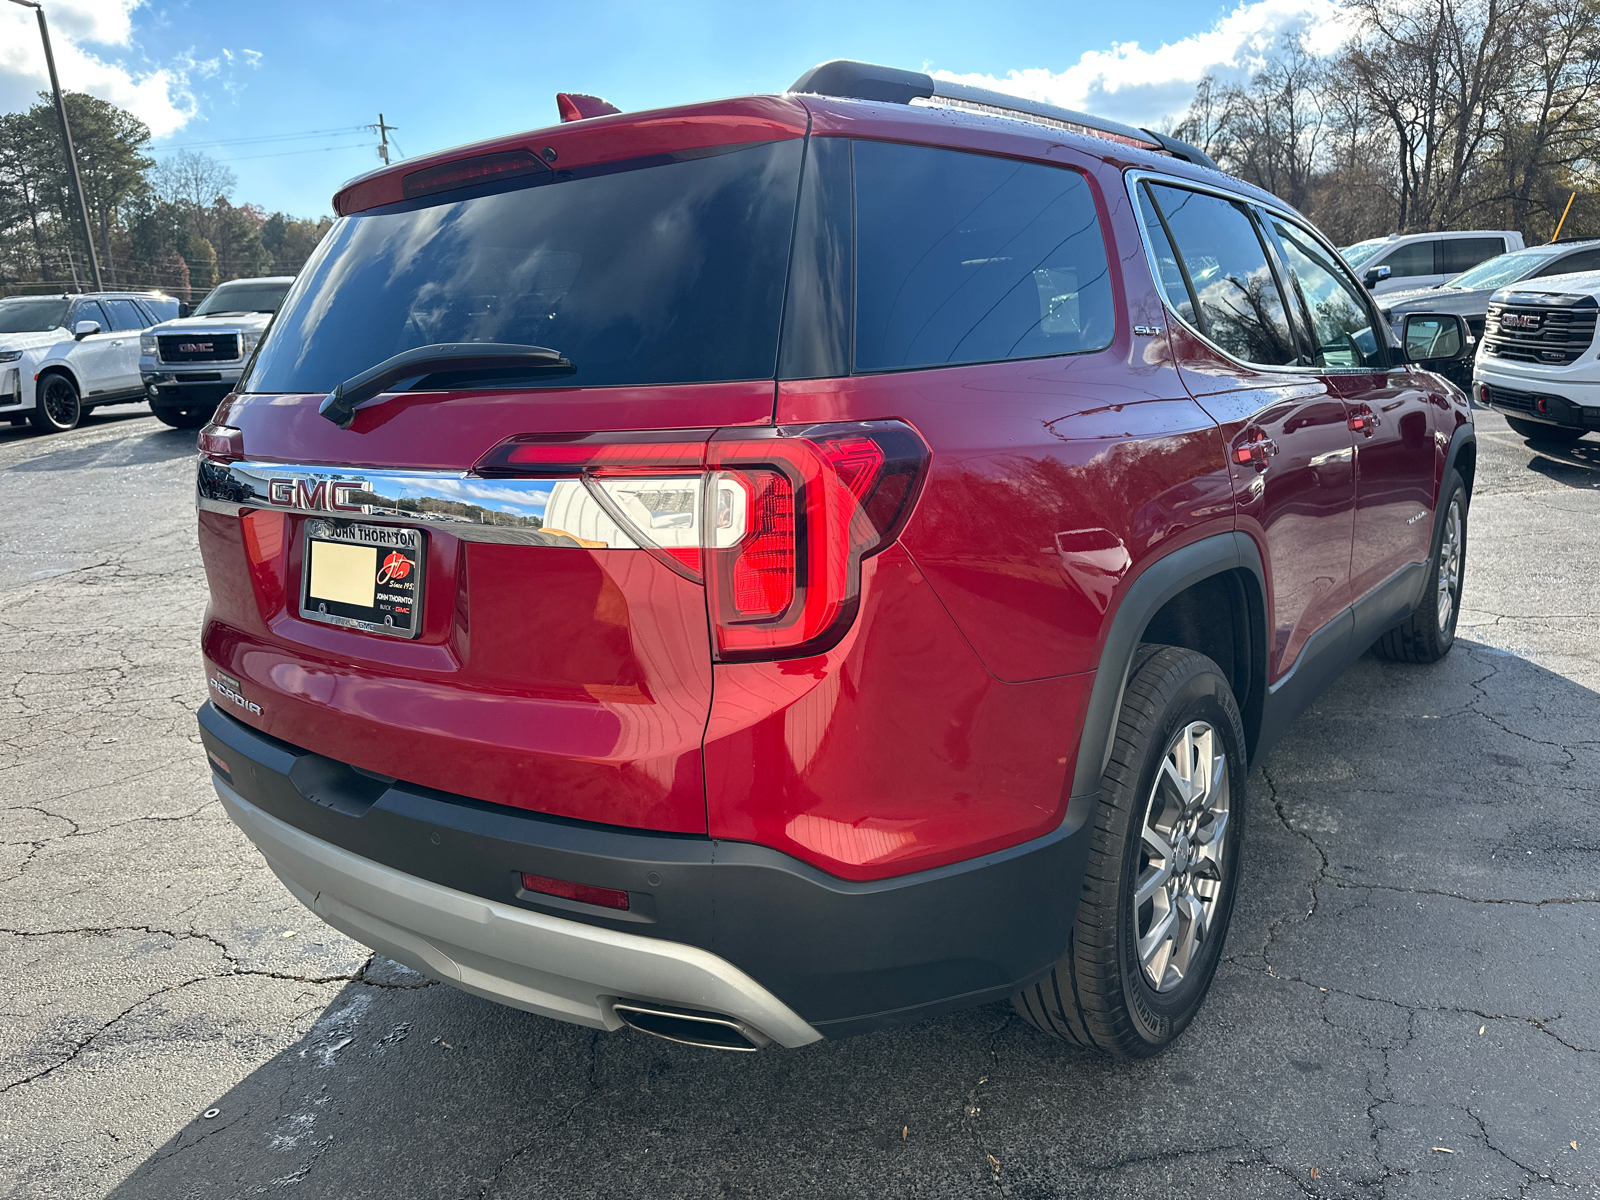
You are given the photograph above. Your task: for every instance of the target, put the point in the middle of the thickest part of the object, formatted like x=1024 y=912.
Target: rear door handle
x=1255 y=453
x=1364 y=422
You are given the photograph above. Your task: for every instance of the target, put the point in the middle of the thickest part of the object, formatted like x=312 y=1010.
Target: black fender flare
x=1158 y=583
x=1464 y=436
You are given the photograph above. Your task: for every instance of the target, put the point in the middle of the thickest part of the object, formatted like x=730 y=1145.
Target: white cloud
x=160 y=96
x=1139 y=86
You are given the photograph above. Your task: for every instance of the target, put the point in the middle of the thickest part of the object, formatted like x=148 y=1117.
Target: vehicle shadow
x=397 y=1087
x=141 y=445
x=1577 y=465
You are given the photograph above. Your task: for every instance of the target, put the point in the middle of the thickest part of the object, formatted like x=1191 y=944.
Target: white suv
x=1418 y=260
x=1537 y=363
x=63 y=355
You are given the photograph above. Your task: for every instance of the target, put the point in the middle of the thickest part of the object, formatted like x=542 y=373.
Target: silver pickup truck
x=188 y=365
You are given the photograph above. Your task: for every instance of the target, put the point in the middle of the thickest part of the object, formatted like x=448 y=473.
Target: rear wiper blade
x=448 y=357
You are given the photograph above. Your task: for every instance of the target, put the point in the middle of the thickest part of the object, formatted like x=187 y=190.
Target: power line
x=266 y=137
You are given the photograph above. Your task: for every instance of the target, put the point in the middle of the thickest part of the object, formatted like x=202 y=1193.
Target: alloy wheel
x=60 y=402
x=1182 y=843
x=1449 y=565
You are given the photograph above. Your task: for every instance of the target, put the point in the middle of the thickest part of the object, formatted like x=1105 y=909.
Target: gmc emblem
x=322 y=496
x=1520 y=320
x=195 y=347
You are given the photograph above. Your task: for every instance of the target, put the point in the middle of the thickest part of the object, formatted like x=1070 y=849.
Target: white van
x=1418 y=260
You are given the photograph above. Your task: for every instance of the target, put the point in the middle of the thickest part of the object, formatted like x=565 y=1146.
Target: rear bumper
x=433 y=880
x=544 y=964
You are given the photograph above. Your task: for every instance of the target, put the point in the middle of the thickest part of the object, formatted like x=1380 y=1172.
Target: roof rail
x=865 y=81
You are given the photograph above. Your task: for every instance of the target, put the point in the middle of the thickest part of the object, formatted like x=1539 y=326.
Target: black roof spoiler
x=889 y=85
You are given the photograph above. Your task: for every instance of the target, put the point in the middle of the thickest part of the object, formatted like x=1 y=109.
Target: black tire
x=1098 y=994
x=184 y=418
x=1538 y=431
x=57 y=408
x=1428 y=633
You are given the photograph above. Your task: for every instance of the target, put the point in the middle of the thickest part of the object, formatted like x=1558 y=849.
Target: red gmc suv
x=788 y=566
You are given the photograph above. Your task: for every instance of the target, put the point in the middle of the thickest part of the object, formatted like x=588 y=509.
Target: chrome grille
x=1538 y=334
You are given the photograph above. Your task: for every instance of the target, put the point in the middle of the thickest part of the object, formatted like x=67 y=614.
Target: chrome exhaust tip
x=708 y=1030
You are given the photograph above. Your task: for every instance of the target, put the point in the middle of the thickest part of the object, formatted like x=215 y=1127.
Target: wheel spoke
x=1210 y=837
x=1158 y=844
x=1153 y=880
x=1158 y=939
x=1193 y=916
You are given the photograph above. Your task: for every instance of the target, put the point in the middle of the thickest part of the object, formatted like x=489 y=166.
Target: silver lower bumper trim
x=546 y=965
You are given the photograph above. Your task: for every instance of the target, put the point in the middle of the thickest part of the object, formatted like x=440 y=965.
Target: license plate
x=366 y=577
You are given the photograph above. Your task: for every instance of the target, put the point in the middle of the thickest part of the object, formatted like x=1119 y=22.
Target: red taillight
x=222 y=443
x=775 y=522
x=764 y=568
x=818 y=501
x=583 y=893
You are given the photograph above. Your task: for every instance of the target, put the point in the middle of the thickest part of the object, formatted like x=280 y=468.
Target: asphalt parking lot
x=1409 y=1003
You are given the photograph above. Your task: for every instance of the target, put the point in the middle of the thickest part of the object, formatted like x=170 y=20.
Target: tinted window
x=32 y=316
x=124 y=314
x=1341 y=329
x=1461 y=254
x=1414 y=258
x=163 y=308
x=247 y=296
x=1240 y=307
x=970 y=258
x=663 y=273
x=1583 y=260
x=89 y=310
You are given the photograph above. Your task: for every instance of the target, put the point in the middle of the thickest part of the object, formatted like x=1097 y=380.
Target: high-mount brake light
x=774 y=522
x=465 y=172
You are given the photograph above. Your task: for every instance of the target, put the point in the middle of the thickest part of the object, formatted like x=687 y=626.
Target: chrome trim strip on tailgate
x=525 y=512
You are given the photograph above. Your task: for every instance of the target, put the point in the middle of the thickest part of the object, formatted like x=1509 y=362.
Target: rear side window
x=1220 y=279
x=645 y=272
x=964 y=258
x=1415 y=258
x=1462 y=254
x=1583 y=260
x=125 y=314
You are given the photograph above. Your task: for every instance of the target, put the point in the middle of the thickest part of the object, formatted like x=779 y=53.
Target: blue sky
x=210 y=75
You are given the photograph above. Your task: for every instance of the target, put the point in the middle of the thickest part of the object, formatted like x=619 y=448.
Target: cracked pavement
x=1408 y=1006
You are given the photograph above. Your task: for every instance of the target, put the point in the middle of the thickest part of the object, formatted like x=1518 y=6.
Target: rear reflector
x=774 y=522
x=467 y=171
x=583 y=893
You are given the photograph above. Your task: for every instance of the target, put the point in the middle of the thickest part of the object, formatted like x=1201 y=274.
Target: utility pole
x=380 y=129
x=66 y=142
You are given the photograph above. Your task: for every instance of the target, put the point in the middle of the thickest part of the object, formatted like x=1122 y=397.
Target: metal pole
x=66 y=142
x=1563 y=220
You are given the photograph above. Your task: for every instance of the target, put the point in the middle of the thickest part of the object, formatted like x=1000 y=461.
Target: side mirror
x=83 y=329
x=1436 y=340
x=1376 y=275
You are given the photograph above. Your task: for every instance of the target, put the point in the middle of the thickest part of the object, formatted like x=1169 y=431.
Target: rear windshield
x=666 y=272
x=250 y=297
